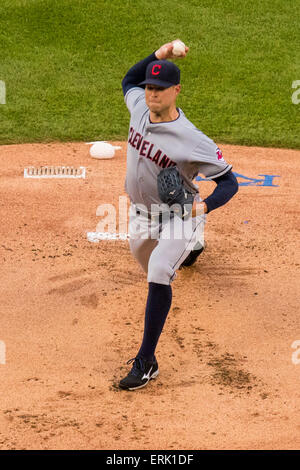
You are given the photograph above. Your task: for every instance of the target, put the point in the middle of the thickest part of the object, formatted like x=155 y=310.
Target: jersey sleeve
x=135 y=97
x=207 y=159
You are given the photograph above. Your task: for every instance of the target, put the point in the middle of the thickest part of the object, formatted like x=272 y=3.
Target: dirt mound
x=72 y=313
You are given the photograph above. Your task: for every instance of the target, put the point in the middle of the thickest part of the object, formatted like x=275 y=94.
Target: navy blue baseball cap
x=162 y=73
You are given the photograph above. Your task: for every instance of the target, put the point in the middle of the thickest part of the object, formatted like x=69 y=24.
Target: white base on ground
x=54 y=172
x=97 y=236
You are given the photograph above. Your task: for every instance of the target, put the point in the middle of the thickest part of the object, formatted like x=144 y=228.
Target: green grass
x=63 y=62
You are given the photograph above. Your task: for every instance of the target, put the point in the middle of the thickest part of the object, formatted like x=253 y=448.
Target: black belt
x=154 y=216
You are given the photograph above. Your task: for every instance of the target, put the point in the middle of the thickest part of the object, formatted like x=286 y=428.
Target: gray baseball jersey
x=153 y=146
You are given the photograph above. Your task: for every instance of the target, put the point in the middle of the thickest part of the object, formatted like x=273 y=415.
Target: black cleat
x=142 y=371
x=193 y=255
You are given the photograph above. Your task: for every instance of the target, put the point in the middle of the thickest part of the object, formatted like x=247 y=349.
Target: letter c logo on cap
x=153 y=69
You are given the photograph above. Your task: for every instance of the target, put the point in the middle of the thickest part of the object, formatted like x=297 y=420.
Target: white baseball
x=178 y=48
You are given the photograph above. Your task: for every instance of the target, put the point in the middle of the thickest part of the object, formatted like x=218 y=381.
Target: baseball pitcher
x=165 y=153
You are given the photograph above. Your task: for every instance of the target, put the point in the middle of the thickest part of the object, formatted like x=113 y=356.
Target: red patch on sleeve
x=219 y=154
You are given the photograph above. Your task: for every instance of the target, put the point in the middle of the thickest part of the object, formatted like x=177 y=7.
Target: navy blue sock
x=157 y=308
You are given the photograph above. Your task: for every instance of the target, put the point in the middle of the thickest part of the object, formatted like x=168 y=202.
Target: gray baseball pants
x=160 y=246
